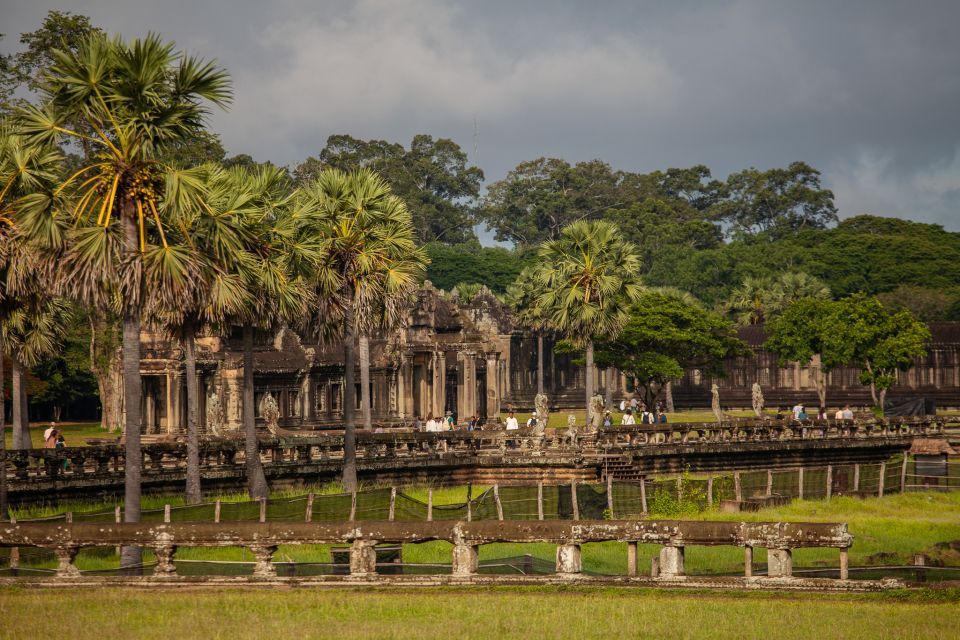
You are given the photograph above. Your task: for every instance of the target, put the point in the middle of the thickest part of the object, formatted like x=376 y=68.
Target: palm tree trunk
x=4 y=514
x=132 y=396
x=668 y=396
x=256 y=480
x=589 y=376
x=364 y=351
x=21 y=428
x=540 y=363
x=608 y=388
x=349 y=402
x=194 y=494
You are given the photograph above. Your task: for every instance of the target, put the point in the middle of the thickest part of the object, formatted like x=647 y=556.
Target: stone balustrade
x=779 y=538
x=99 y=466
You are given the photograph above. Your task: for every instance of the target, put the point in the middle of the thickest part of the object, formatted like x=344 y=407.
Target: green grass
x=75 y=434
x=467 y=614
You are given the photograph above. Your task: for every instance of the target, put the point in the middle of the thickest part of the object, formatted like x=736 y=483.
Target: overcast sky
x=867 y=92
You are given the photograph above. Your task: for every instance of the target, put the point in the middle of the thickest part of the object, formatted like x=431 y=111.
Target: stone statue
x=715 y=402
x=214 y=413
x=596 y=413
x=757 y=399
x=541 y=404
x=271 y=413
x=571 y=434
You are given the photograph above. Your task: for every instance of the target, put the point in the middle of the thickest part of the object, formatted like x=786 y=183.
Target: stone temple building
x=470 y=357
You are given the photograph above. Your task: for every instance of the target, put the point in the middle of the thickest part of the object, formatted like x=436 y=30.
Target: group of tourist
x=799 y=413
x=53 y=438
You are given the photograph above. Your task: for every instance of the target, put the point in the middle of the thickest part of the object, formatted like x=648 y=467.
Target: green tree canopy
x=432 y=177
x=666 y=334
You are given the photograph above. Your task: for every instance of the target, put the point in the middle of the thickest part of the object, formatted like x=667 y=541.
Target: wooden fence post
x=263 y=510
x=829 y=481
x=393 y=502
x=496 y=499
x=769 y=482
x=166 y=513
x=429 y=505
x=643 y=493
x=117 y=518
x=610 y=496
x=856 y=477
x=353 y=506
x=883 y=474
x=14 y=559
x=540 y=500
x=308 y=516
x=469 y=502
x=68 y=517
x=679 y=488
x=573 y=498
x=800 y=484
x=737 y=488
x=632 y=559
x=216 y=511
x=710 y=491
x=748 y=561
x=903 y=474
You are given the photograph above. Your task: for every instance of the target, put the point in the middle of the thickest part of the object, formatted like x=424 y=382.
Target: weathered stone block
x=671 y=562
x=363 y=558
x=465 y=559
x=568 y=559
x=779 y=563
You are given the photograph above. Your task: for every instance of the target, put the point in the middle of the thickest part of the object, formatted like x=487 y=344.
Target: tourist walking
x=51 y=441
x=627 y=418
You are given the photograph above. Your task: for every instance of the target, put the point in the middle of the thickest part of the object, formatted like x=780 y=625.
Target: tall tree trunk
x=588 y=383
x=256 y=480
x=4 y=513
x=668 y=396
x=882 y=399
x=873 y=386
x=608 y=388
x=106 y=364
x=132 y=396
x=349 y=404
x=363 y=341
x=18 y=391
x=822 y=387
x=194 y=494
x=539 y=362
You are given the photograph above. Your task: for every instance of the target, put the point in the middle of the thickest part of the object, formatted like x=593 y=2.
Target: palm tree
x=370 y=262
x=589 y=280
x=522 y=297
x=139 y=98
x=760 y=299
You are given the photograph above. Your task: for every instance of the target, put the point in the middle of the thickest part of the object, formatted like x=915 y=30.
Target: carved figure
x=596 y=413
x=542 y=404
x=715 y=402
x=214 y=413
x=757 y=399
x=271 y=413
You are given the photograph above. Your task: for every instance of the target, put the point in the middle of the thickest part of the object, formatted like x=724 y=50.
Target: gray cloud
x=866 y=91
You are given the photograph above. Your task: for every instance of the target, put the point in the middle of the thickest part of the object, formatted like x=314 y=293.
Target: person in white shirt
x=847 y=413
x=838 y=415
x=623 y=405
x=431 y=425
x=512 y=422
x=50 y=429
x=797 y=410
x=628 y=418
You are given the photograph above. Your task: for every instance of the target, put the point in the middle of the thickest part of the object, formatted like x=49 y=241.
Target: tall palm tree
x=522 y=297
x=590 y=278
x=760 y=299
x=369 y=263
x=139 y=98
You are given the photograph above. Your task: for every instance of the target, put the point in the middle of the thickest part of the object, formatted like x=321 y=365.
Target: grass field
x=75 y=434
x=468 y=614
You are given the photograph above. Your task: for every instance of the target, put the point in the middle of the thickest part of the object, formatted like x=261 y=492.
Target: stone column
x=150 y=413
x=65 y=567
x=404 y=388
x=779 y=563
x=435 y=407
x=467 y=381
x=671 y=562
x=493 y=388
x=264 y=566
x=363 y=558
x=465 y=559
x=308 y=398
x=172 y=424
x=568 y=560
x=164 y=550
x=440 y=381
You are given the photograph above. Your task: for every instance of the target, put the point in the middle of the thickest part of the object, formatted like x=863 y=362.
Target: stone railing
x=262 y=539
x=101 y=464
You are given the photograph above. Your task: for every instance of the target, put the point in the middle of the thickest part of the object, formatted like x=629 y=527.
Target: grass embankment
x=75 y=434
x=886 y=531
x=467 y=614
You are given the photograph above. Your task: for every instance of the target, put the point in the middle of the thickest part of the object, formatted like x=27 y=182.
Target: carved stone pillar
x=493 y=387
x=363 y=558
x=65 y=557
x=569 y=562
x=465 y=559
x=164 y=550
x=440 y=382
x=671 y=562
x=466 y=385
x=264 y=555
x=779 y=563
